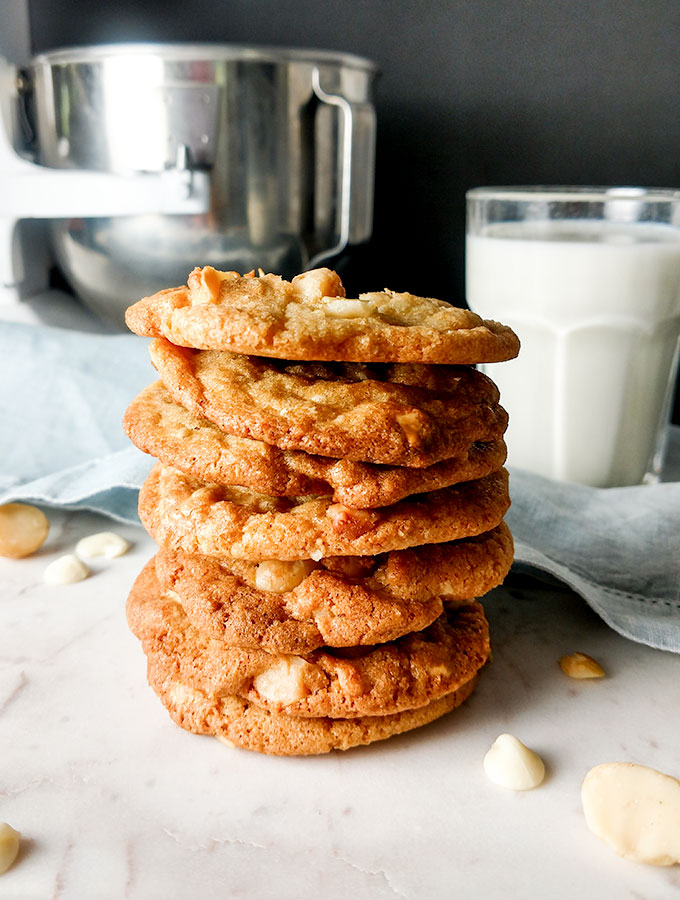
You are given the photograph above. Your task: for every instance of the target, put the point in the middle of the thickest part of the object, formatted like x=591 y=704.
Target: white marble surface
x=114 y=801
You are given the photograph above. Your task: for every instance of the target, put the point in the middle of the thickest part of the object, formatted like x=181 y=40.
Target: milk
x=597 y=309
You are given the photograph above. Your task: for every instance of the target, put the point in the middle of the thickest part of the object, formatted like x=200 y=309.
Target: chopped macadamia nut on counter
x=581 y=666
x=9 y=846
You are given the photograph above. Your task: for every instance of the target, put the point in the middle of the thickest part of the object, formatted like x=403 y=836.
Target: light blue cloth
x=62 y=398
x=63 y=394
x=619 y=548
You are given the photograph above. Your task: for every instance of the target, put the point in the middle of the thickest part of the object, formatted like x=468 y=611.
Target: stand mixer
x=129 y=164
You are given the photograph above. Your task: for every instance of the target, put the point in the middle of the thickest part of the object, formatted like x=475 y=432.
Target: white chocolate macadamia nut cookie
x=310 y=318
x=328 y=503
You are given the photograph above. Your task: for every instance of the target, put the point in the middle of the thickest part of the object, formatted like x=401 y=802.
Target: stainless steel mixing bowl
x=287 y=137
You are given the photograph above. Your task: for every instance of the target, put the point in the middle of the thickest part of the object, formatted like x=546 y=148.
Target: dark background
x=471 y=92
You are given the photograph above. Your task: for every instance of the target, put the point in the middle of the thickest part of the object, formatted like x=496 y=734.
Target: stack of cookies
x=328 y=504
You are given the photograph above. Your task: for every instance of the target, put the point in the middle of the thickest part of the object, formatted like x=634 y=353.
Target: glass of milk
x=589 y=278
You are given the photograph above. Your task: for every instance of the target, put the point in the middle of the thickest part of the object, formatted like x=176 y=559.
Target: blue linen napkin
x=619 y=548
x=62 y=397
x=63 y=394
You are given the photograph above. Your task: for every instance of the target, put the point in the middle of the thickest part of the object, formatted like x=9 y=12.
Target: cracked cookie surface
x=400 y=414
x=184 y=513
x=191 y=443
x=381 y=680
x=337 y=602
x=242 y=724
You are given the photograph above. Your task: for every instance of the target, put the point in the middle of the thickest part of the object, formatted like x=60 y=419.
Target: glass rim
x=573 y=194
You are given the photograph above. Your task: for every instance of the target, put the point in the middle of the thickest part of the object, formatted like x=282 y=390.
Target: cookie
x=405 y=415
x=338 y=602
x=239 y=723
x=310 y=318
x=184 y=513
x=164 y=429
x=381 y=680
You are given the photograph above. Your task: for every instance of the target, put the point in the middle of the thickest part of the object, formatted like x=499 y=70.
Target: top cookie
x=309 y=318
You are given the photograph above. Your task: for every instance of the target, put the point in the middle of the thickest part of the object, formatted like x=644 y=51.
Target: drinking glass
x=589 y=278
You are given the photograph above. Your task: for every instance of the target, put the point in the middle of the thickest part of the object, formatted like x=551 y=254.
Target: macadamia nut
x=581 y=666
x=510 y=764
x=23 y=529
x=9 y=846
x=634 y=809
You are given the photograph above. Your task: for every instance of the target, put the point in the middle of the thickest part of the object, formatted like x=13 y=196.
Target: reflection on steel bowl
x=286 y=136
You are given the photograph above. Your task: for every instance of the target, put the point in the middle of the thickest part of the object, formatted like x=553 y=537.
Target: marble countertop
x=114 y=801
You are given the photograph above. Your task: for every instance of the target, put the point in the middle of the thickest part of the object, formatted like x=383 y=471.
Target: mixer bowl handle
x=345 y=159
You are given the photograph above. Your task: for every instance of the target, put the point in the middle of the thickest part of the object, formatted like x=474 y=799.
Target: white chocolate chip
x=348 y=309
x=23 y=529
x=581 y=666
x=510 y=764
x=65 y=570
x=284 y=682
x=104 y=543
x=225 y=741
x=9 y=846
x=279 y=577
x=634 y=809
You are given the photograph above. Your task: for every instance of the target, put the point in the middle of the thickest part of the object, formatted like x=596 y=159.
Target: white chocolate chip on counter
x=104 y=543
x=634 y=809
x=279 y=577
x=65 y=570
x=23 y=529
x=510 y=764
x=9 y=846
x=581 y=666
